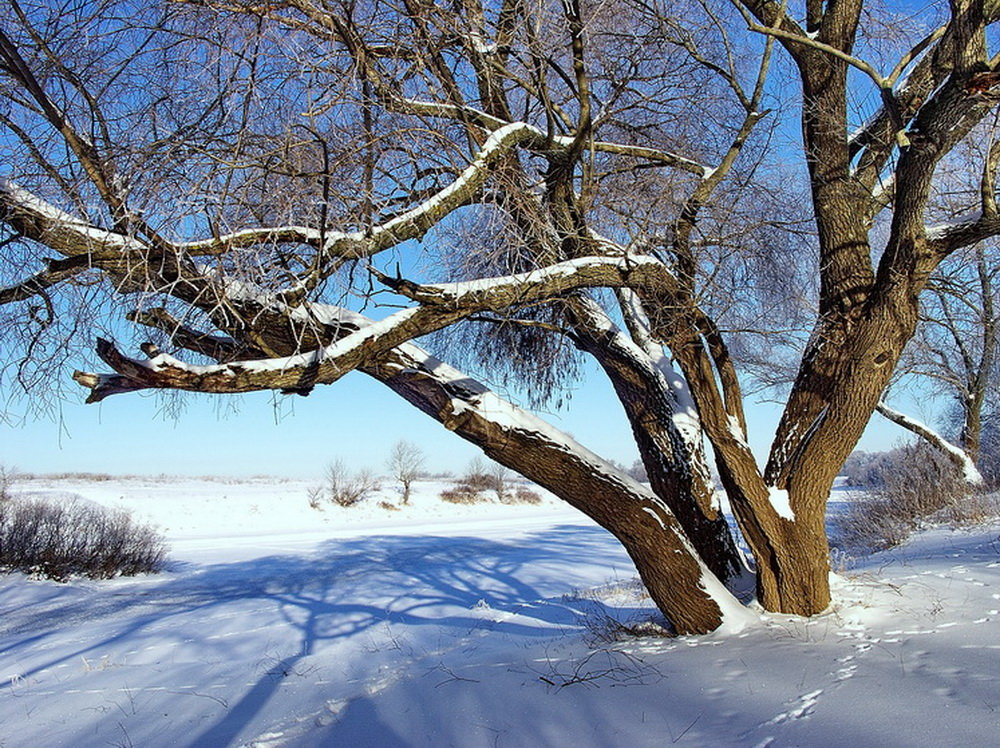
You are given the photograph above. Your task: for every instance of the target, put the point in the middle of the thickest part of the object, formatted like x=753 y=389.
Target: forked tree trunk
x=676 y=475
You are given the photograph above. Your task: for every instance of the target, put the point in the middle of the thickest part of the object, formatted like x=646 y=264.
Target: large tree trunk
x=839 y=386
x=682 y=586
x=677 y=470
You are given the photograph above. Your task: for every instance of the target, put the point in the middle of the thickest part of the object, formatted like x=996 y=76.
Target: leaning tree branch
x=441 y=305
x=954 y=454
x=944 y=239
x=883 y=83
x=222 y=349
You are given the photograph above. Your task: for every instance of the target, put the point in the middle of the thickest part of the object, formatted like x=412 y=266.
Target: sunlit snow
x=487 y=625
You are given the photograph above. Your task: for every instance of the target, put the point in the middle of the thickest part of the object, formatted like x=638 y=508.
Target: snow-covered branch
x=631 y=270
x=254 y=237
x=38 y=219
x=950 y=236
x=441 y=305
x=957 y=456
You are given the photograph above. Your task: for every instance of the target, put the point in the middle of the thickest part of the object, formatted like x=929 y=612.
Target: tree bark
x=677 y=474
x=680 y=584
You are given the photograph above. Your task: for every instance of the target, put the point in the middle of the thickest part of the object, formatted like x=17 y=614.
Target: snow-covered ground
x=443 y=625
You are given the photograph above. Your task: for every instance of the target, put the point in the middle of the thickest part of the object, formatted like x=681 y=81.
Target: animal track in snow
x=806 y=704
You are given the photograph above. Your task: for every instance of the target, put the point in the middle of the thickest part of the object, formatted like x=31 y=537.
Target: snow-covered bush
x=344 y=487
x=906 y=486
x=60 y=540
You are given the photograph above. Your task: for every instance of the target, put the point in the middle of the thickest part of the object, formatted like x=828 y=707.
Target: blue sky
x=356 y=419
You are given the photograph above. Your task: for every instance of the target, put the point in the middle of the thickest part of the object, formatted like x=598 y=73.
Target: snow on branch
x=630 y=270
x=412 y=224
x=441 y=305
x=957 y=456
x=38 y=219
x=254 y=237
x=962 y=232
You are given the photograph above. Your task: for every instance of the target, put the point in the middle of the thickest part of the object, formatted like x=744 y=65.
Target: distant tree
x=864 y=469
x=8 y=477
x=638 y=471
x=955 y=352
x=343 y=486
x=406 y=462
x=499 y=479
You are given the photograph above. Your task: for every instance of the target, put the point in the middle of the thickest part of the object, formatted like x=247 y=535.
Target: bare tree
x=499 y=479
x=342 y=486
x=569 y=179
x=955 y=351
x=405 y=463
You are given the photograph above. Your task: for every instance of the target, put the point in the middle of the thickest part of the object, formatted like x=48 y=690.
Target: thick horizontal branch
x=55 y=272
x=946 y=238
x=222 y=349
x=634 y=271
x=252 y=238
x=132 y=264
x=441 y=305
x=41 y=221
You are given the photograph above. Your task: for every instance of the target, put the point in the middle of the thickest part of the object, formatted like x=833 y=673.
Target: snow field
x=452 y=625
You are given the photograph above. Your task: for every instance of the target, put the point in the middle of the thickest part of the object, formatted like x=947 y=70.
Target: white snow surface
x=445 y=625
x=781 y=503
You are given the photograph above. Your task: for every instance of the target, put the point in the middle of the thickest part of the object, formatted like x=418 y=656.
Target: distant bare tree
x=406 y=461
x=343 y=486
x=955 y=350
x=499 y=478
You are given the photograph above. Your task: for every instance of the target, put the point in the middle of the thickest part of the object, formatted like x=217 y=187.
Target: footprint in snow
x=803 y=710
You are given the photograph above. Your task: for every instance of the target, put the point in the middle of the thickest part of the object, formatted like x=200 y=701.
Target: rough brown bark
x=652 y=536
x=672 y=468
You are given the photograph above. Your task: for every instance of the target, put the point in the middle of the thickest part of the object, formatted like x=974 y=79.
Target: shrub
x=58 y=541
x=521 y=495
x=462 y=495
x=343 y=487
x=908 y=485
x=479 y=478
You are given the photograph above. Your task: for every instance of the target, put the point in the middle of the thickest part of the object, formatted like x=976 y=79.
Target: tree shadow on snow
x=343 y=589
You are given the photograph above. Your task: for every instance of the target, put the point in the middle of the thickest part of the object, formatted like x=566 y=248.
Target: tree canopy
x=274 y=194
